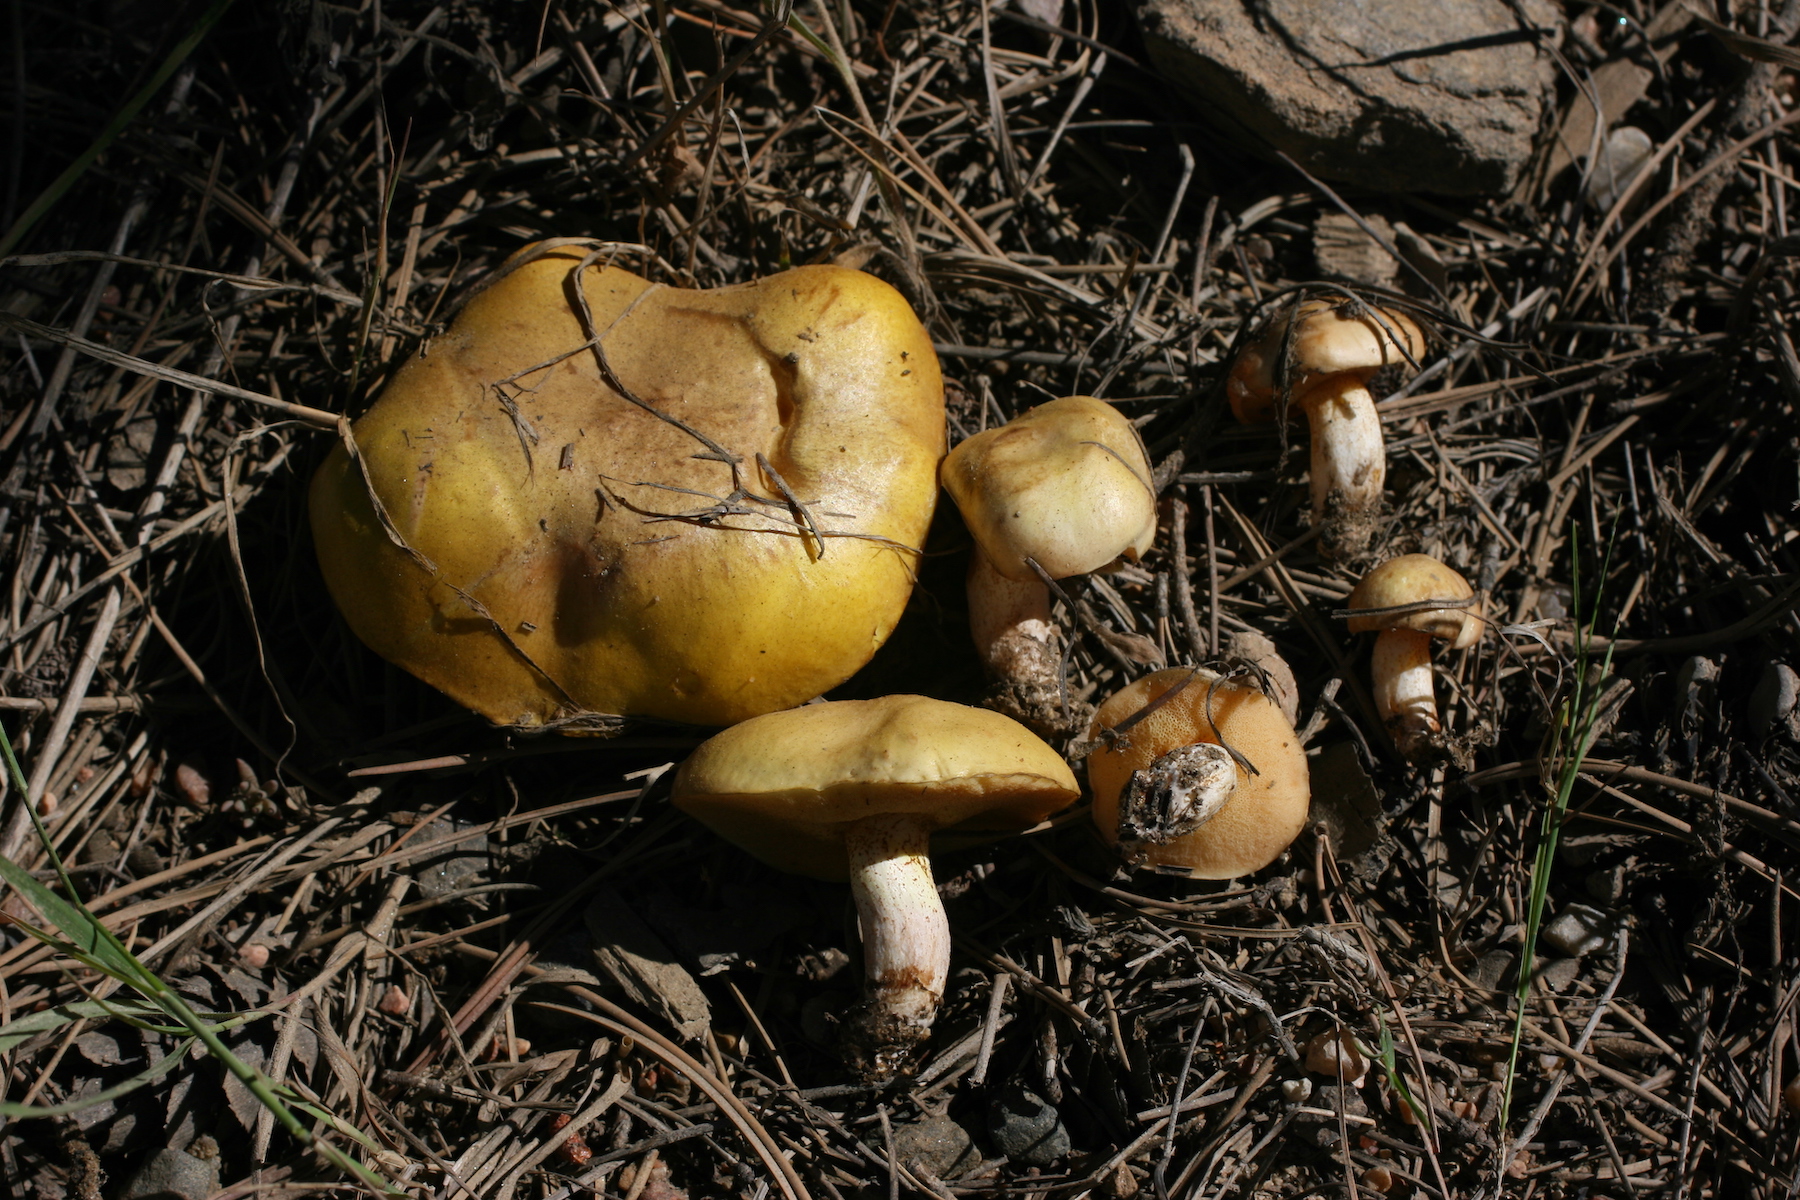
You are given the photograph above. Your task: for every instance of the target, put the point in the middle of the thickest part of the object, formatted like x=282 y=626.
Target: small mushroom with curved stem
x=1061 y=490
x=1323 y=353
x=1408 y=601
x=854 y=789
x=1202 y=775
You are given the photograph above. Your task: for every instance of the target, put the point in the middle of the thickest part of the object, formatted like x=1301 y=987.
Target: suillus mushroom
x=1408 y=601
x=853 y=790
x=1323 y=353
x=1201 y=774
x=595 y=495
x=1061 y=490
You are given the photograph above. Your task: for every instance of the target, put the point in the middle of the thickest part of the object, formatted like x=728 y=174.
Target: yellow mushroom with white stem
x=1408 y=602
x=1324 y=352
x=853 y=790
x=1061 y=490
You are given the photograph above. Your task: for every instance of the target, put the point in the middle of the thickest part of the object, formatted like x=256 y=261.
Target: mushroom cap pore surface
x=784 y=785
x=1412 y=579
x=1266 y=811
x=1066 y=484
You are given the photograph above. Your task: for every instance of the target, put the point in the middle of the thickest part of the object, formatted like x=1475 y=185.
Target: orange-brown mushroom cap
x=1266 y=811
x=1414 y=579
x=785 y=786
x=1325 y=342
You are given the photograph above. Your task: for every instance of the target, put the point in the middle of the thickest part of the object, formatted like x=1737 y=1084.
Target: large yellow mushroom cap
x=1266 y=811
x=576 y=553
x=785 y=786
x=1066 y=484
x=1414 y=579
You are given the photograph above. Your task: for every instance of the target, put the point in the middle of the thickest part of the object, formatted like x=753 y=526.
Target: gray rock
x=1026 y=1128
x=1387 y=94
x=645 y=969
x=1343 y=250
x=1492 y=968
x=943 y=1146
x=1578 y=929
x=1774 y=700
x=456 y=866
x=173 y=1173
x=1319 y=1121
x=1621 y=157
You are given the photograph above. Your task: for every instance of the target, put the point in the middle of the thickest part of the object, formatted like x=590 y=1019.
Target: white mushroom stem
x=1010 y=622
x=1400 y=672
x=906 y=937
x=1348 y=455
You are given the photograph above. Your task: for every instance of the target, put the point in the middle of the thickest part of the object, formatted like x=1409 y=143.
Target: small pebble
x=1026 y=1128
x=943 y=1146
x=254 y=956
x=1335 y=1053
x=1626 y=150
x=1295 y=1091
x=1119 y=1183
x=173 y=1173
x=1774 y=700
x=395 y=1002
x=574 y=1150
x=1578 y=929
x=1377 y=1179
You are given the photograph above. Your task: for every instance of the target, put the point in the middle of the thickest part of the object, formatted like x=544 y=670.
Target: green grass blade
x=87 y=940
x=150 y=1074
x=15 y=1033
x=1391 y=1065
x=1571 y=738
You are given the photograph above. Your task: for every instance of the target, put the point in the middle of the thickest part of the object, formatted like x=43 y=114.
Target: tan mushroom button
x=1400 y=665
x=1325 y=342
x=569 y=551
x=1260 y=815
x=1066 y=484
x=1413 y=579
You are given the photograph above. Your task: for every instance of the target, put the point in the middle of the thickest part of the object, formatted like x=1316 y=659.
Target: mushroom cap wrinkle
x=786 y=785
x=574 y=553
x=1266 y=811
x=1066 y=484
x=1414 y=579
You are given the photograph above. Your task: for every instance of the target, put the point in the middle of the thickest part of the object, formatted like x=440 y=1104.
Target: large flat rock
x=1445 y=97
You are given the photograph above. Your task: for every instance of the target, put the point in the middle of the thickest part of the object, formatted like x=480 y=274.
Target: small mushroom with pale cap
x=1065 y=486
x=854 y=789
x=1170 y=795
x=1396 y=601
x=1323 y=353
